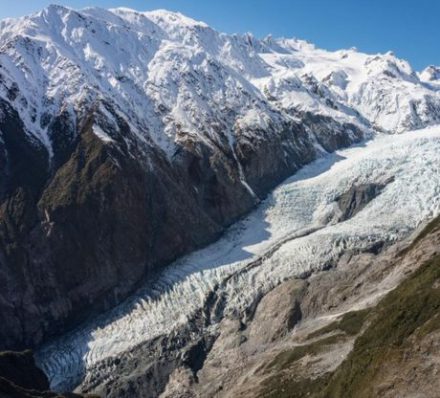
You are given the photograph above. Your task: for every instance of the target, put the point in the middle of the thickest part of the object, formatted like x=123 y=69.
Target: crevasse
x=292 y=233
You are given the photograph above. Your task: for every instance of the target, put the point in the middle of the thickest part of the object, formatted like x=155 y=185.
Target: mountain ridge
x=129 y=139
x=130 y=77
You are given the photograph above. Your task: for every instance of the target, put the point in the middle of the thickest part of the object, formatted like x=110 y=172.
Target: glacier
x=174 y=81
x=291 y=234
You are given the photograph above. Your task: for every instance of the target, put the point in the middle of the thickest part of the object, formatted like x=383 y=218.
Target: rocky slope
x=367 y=328
x=348 y=347
x=333 y=225
x=116 y=160
x=128 y=139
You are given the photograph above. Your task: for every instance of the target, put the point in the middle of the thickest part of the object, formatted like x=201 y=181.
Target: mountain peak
x=431 y=73
x=173 y=17
x=55 y=9
x=167 y=73
x=157 y=16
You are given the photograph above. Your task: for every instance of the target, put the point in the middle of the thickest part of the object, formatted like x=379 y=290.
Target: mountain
x=431 y=74
x=387 y=348
x=355 y=338
x=327 y=242
x=130 y=139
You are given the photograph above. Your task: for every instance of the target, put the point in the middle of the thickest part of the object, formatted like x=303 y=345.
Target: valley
x=186 y=213
x=296 y=232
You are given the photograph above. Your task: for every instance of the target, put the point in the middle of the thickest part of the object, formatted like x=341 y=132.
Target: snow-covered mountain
x=174 y=79
x=301 y=229
x=128 y=139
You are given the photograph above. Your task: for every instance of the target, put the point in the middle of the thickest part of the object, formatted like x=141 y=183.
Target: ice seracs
x=294 y=232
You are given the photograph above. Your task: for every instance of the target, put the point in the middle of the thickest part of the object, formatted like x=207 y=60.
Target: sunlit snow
x=164 y=73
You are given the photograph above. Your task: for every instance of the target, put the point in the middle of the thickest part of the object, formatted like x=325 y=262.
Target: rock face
x=355 y=199
x=365 y=329
x=20 y=369
x=20 y=378
x=128 y=139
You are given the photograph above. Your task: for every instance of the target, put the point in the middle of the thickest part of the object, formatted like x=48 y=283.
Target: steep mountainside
x=322 y=244
x=389 y=349
x=128 y=139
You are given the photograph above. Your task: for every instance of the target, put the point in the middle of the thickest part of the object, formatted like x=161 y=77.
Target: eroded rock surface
x=341 y=312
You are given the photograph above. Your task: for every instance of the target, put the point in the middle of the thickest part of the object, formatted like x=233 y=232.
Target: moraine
x=296 y=231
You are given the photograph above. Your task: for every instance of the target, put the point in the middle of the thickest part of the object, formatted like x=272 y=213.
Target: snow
x=101 y=134
x=167 y=73
x=169 y=77
x=292 y=233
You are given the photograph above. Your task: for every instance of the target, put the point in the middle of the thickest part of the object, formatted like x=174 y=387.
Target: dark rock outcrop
x=21 y=378
x=19 y=368
x=357 y=197
x=79 y=231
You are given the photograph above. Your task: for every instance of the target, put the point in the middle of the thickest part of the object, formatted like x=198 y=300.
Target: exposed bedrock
x=79 y=232
x=21 y=378
x=353 y=201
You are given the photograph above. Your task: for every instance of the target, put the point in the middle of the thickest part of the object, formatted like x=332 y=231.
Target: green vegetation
x=411 y=310
x=285 y=383
x=277 y=387
x=408 y=313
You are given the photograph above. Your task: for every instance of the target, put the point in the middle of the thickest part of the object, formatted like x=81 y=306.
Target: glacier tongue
x=293 y=233
x=174 y=80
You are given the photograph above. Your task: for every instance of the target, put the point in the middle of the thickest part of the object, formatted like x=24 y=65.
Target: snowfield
x=165 y=74
x=293 y=233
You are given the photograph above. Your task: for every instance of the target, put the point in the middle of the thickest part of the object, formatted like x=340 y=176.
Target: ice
x=291 y=234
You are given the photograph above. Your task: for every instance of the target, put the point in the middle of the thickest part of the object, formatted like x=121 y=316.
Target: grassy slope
x=409 y=312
